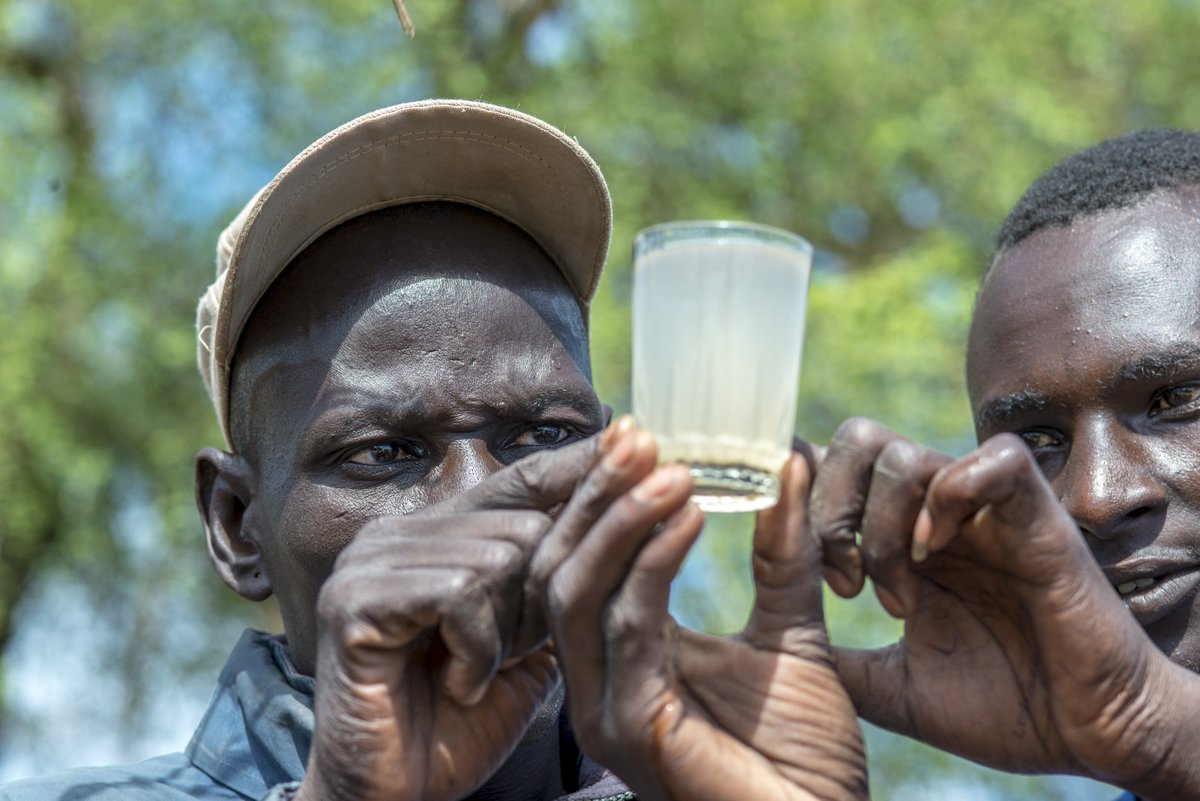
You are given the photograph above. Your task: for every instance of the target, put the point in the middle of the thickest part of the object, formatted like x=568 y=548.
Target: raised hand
x=677 y=714
x=1017 y=652
x=430 y=661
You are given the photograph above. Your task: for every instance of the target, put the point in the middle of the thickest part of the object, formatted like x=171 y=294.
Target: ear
x=224 y=496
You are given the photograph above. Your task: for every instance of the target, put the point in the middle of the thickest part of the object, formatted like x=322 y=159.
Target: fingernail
x=606 y=439
x=620 y=456
x=920 y=550
x=890 y=602
x=614 y=431
x=922 y=531
x=655 y=485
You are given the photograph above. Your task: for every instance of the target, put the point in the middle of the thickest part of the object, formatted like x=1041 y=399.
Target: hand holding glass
x=718 y=326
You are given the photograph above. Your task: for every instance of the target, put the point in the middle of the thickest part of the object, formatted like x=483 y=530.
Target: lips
x=1153 y=590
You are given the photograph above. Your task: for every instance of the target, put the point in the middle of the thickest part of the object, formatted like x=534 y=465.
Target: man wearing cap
x=396 y=348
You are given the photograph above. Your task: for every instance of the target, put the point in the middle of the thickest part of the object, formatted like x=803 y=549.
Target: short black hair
x=1113 y=174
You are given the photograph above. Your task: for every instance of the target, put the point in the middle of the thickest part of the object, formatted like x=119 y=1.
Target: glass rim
x=694 y=229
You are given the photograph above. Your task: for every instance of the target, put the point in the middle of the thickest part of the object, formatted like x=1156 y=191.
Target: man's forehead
x=351 y=267
x=1118 y=257
x=1119 y=282
x=420 y=270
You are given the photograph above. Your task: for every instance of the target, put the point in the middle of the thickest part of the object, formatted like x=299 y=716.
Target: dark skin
x=679 y=714
x=1085 y=383
x=412 y=407
x=373 y=398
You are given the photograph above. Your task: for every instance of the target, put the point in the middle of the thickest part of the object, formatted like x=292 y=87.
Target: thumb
x=539 y=482
x=875 y=681
x=787 y=568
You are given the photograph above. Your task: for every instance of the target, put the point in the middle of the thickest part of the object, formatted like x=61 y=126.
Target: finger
x=598 y=566
x=471 y=634
x=459 y=603
x=637 y=613
x=813 y=454
x=787 y=561
x=839 y=496
x=520 y=527
x=1000 y=474
x=630 y=456
x=876 y=681
x=501 y=569
x=903 y=471
x=540 y=481
x=643 y=598
x=579 y=591
x=512 y=702
x=498 y=545
x=369 y=617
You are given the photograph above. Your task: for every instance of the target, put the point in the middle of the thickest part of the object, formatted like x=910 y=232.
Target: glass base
x=733 y=488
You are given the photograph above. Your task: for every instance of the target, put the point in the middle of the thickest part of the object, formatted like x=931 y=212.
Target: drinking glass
x=718 y=327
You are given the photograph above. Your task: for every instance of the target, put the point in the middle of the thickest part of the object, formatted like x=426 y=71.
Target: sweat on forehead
x=438 y=251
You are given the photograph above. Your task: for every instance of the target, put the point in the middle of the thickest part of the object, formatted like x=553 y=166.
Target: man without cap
x=396 y=347
x=1021 y=649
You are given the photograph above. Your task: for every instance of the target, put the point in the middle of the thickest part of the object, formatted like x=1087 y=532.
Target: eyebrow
x=578 y=400
x=342 y=417
x=1164 y=363
x=345 y=414
x=1161 y=364
x=1010 y=407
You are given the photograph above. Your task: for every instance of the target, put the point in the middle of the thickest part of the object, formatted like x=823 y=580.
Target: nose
x=1108 y=484
x=467 y=462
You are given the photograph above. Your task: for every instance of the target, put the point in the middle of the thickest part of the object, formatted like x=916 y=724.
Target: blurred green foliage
x=894 y=136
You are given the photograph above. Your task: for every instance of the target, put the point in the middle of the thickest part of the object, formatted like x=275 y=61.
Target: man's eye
x=542 y=435
x=381 y=453
x=1037 y=440
x=1173 y=397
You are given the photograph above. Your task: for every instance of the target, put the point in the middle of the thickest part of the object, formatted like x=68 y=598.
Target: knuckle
x=595 y=493
x=457 y=583
x=839 y=535
x=338 y=604
x=860 y=433
x=525 y=474
x=881 y=550
x=1009 y=450
x=562 y=596
x=507 y=560
x=619 y=624
x=529 y=528
x=899 y=456
x=901 y=466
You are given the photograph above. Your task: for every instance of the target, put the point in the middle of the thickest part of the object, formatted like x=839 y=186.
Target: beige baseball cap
x=497 y=159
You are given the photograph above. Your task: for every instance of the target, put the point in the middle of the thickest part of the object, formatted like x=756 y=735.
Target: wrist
x=1166 y=761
